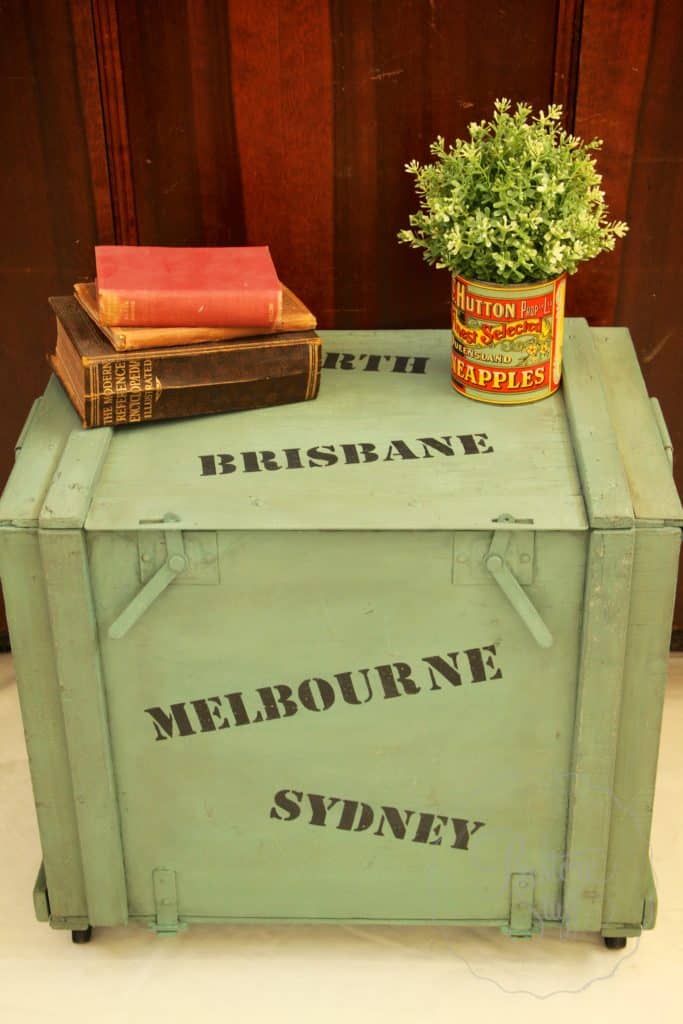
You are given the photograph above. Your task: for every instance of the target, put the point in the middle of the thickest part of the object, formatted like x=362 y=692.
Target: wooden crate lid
x=435 y=460
x=589 y=456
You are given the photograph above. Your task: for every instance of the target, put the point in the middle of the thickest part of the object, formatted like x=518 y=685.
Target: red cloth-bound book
x=160 y=286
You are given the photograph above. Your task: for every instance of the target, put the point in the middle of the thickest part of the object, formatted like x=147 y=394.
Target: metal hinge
x=522 y=924
x=165 y=903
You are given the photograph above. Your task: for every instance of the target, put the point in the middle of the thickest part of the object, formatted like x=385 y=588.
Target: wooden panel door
x=290 y=123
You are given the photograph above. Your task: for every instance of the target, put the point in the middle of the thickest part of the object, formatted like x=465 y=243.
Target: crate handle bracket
x=176 y=562
x=522 y=923
x=508 y=583
x=166 y=903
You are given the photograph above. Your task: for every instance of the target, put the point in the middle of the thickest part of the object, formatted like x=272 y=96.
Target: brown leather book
x=295 y=317
x=109 y=388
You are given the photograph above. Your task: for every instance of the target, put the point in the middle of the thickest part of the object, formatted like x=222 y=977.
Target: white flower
x=546 y=210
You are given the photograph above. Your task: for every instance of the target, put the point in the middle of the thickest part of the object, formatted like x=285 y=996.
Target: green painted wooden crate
x=389 y=656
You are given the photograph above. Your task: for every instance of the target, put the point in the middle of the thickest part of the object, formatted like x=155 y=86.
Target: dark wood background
x=288 y=122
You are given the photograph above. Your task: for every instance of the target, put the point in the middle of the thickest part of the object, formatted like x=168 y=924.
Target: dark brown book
x=109 y=388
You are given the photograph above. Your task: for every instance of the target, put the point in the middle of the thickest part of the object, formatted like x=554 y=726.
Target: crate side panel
x=236 y=806
x=41 y=710
x=649 y=631
x=65 y=563
x=603 y=646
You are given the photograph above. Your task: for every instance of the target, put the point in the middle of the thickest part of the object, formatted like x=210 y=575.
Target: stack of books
x=172 y=332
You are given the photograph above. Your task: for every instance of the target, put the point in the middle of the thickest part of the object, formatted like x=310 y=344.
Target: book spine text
x=129 y=391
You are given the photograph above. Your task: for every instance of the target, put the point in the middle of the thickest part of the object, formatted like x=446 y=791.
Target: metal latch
x=165 y=557
x=497 y=566
x=200 y=549
x=470 y=552
x=176 y=562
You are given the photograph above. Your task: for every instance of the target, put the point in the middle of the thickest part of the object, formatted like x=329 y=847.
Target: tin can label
x=507 y=340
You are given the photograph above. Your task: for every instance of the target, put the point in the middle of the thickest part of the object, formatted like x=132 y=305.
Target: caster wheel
x=81 y=936
x=615 y=942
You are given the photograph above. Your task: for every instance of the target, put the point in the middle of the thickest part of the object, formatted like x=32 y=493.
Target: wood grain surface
x=54 y=196
x=631 y=94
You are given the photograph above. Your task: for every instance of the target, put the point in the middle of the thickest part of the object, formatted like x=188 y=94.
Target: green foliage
x=520 y=201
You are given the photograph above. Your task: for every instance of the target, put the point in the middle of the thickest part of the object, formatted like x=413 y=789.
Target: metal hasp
x=499 y=569
x=176 y=562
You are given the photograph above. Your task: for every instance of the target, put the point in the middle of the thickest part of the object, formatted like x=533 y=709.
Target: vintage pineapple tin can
x=507 y=339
